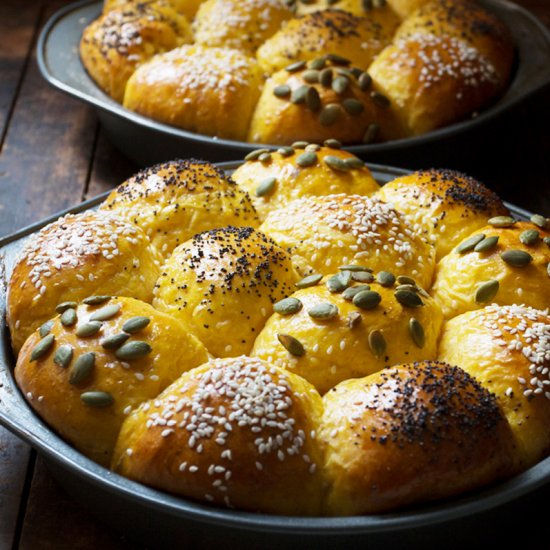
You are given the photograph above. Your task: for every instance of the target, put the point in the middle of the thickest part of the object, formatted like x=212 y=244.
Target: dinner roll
x=222 y=283
x=86 y=369
x=174 y=200
x=327 y=333
x=332 y=101
x=446 y=204
x=507 y=349
x=239 y=24
x=72 y=258
x=211 y=91
x=277 y=178
x=324 y=233
x=329 y=31
x=117 y=42
x=409 y=434
x=185 y=7
x=505 y=263
x=236 y=432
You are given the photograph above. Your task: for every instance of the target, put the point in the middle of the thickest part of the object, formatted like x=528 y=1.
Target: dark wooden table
x=53 y=154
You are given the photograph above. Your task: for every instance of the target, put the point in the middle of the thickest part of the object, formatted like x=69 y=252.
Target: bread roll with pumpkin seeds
x=221 y=285
x=507 y=349
x=341 y=328
x=118 y=42
x=333 y=101
x=243 y=436
x=403 y=8
x=410 y=434
x=323 y=32
x=174 y=200
x=239 y=24
x=446 y=204
x=185 y=7
x=272 y=182
x=91 y=365
x=324 y=233
x=211 y=91
x=72 y=258
x=506 y=262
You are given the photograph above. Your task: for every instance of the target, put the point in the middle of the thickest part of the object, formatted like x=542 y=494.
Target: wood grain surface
x=53 y=154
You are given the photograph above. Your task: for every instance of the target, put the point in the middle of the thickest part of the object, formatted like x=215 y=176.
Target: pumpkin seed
x=323 y=311
x=529 y=237
x=354 y=267
x=377 y=343
x=64 y=306
x=385 y=278
x=469 y=244
x=335 y=284
x=332 y=144
x=114 y=341
x=316 y=64
x=88 y=329
x=408 y=298
x=265 y=157
x=416 y=330
x=68 y=317
x=357 y=72
x=311 y=76
x=345 y=277
x=337 y=59
x=539 y=221
x=82 y=368
x=336 y=163
x=285 y=151
x=487 y=244
x=295 y=67
x=135 y=324
x=98 y=399
x=404 y=280
x=313 y=147
x=300 y=144
x=340 y=84
x=325 y=78
x=362 y=276
x=486 y=291
x=546 y=241
x=344 y=72
x=63 y=356
x=502 y=221
x=43 y=347
x=329 y=114
x=367 y=299
x=96 y=300
x=281 y=91
x=350 y=292
x=354 y=318
x=365 y=81
x=287 y=306
x=298 y=95
x=291 y=344
x=354 y=162
x=516 y=258
x=253 y=155
x=266 y=187
x=136 y=349
x=412 y=288
x=313 y=100
x=380 y=99
x=310 y=280
x=105 y=313
x=353 y=106
x=371 y=133
x=306 y=159
x=45 y=329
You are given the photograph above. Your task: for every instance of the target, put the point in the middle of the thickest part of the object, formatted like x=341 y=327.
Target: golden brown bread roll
x=331 y=333
x=75 y=257
x=117 y=42
x=185 y=7
x=333 y=100
x=507 y=348
x=505 y=265
x=329 y=31
x=238 y=24
x=222 y=283
x=410 y=434
x=278 y=178
x=446 y=204
x=403 y=8
x=173 y=201
x=324 y=233
x=235 y=432
x=211 y=91
x=84 y=376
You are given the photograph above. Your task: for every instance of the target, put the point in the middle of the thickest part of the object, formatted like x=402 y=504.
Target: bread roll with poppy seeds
x=185 y=7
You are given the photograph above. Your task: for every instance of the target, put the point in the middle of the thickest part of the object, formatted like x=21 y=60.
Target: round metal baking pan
x=147 y=142
x=161 y=520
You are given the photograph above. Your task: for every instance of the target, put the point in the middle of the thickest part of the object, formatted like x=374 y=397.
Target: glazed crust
x=185 y=7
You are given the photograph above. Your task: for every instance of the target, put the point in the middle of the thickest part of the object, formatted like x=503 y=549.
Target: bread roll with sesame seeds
x=448 y=205
x=238 y=432
x=324 y=233
x=329 y=31
x=239 y=24
x=274 y=182
x=336 y=101
x=84 y=383
x=502 y=265
x=185 y=7
x=350 y=333
x=221 y=285
x=72 y=258
x=211 y=91
x=174 y=200
x=409 y=434
x=507 y=349
x=117 y=42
